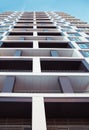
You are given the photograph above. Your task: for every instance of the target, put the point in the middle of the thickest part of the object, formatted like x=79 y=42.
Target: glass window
x=3 y=30
x=49 y=38
x=0 y=38
x=1 y=33
x=87 y=54
x=66 y=27
x=73 y=34
x=79 y=30
x=87 y=33
x=4 y=26
x=54 y=53
x=76 y=39
x=87 y=38
x=66 y=30
x=83 y=46
x=8 y=24
x=45 y=30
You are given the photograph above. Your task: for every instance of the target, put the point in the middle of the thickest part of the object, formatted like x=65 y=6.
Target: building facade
x=44 y=71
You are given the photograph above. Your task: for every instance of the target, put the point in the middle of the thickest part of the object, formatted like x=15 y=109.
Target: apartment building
x=44 y=71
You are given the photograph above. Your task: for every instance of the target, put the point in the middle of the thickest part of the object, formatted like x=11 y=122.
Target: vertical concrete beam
x=36 y=65
x=38 y=114
x=35 y=45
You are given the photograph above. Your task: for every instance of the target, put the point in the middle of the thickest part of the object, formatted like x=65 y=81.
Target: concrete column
x=36 y=65
x=38 y=114
x=35 y=45
x=34 y=33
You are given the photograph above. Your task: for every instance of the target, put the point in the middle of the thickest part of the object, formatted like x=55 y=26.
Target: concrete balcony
x=63 y=65
x=55 y=45
x=44 y=84
x=38 y=38
x=39 y=53
x=15 y=65
x=29 y=84
x=23 y=24
x=19 y=44
x=46 y=33
x=21 y=33
x=25 y=21
x=32 y=30
x=50 y=26
x=17 y=116
x=66 y=114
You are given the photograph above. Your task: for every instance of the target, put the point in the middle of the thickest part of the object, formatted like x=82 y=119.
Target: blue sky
x=78 y=8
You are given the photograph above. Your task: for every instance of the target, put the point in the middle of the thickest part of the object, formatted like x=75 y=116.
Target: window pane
x=87 y=38
x=83 y=46
x=87 y=54
x=66 y=30
x=73 y=34
x=74 y=39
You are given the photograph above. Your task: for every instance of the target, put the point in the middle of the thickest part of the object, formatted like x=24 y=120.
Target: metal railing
x=37 y=91
x=76 y=127
x=15 y=127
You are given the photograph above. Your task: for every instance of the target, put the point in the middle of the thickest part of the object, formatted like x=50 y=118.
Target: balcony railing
x=68 y=128
x=37 y=91
x=46 y=38
x=14 y=127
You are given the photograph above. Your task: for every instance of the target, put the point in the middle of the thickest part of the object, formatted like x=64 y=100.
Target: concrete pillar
x=36 y=65
x=38 y=114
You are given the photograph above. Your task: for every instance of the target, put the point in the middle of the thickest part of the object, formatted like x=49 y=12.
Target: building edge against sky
x=44 y=71
x=77 y=8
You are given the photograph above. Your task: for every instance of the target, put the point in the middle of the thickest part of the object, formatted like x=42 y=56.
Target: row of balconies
x=31 y=21
x=42 y=36
x=61 y=114
x=28 y=19
x=36 y=14
x=82 y=26
x=49 y=65
x=42 y=33
x=4 y=15
x=43 y=42
x=38 y=26
x=62 y=14
x=38 y=38
x=29 y=44
x=32 y=15
x=44 y=84
x=40 y=52
x=32 y=30
x=75 y=22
